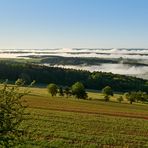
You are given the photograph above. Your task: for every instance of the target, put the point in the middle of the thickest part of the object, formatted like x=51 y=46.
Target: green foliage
x=136 y=96
x=52 y=89
x=20 y=82
x=120 y=99
x=25 y=77
x=144 y=97
x=67 y=92
x=12 y=114
x=60 y=91
x=107 y=91
x=106 y=98
x=141 y=96
x=131 y=97
x=78 y=90
x=66 y=77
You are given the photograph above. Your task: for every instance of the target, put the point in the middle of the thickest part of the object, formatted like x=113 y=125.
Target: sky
x=73 y=24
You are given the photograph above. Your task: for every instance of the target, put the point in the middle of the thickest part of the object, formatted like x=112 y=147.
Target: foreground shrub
x=12 y=114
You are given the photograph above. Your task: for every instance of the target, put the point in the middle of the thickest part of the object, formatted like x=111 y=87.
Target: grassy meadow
x=61 y=122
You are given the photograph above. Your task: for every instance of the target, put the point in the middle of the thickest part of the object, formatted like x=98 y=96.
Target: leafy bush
x=12 y=114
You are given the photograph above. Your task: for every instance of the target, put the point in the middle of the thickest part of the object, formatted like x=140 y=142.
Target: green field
x=69 y=122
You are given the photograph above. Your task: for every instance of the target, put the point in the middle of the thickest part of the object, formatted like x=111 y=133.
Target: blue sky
x=73 y=23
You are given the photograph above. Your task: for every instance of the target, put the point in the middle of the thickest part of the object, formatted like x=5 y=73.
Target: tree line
x=66 y=77
x=134 y=96
x=78 y=90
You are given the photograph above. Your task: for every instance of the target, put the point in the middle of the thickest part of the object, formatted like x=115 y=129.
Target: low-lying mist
x=66 y=52
x=137 y=71
x=140 y=55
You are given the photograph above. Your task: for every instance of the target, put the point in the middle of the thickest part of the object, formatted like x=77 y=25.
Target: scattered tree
x=120 y=99
x=107 y=91
x=60 y=92
x=52 y=89
x=141 y=96
x=67 y=92
x=130 y=97
x=144 y=97
x=78 y=90
x=106 y=98
x=136 y=96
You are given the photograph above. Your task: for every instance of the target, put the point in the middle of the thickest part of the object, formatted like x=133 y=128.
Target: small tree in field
x=107 y=91
x=12 y=114
x=144 y=97
x=120 y=99
x=67 y=92
x=52 y=89
x=141 y=96
x=131 y=97
x=60 y=91
x=106 y=98
x=78 y=90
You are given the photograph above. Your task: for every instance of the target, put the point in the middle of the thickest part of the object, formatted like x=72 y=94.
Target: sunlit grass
x=70 y=122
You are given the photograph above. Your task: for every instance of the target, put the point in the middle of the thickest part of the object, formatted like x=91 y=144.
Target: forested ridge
x=59 y=60
x=66 y=77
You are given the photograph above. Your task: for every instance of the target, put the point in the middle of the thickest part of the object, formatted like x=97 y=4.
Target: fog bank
x=140 y=72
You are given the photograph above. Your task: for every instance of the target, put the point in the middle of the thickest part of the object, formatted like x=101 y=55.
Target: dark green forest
x=66 y=77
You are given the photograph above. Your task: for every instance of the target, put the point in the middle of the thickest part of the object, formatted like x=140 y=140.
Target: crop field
x=61 y=122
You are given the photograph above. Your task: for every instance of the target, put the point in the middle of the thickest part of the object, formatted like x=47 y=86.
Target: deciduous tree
x=52 y=89
x=78 y=90
x=12 y=114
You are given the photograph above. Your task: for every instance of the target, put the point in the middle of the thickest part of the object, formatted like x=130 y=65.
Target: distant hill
x=60 y=76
